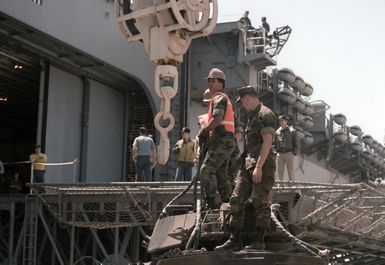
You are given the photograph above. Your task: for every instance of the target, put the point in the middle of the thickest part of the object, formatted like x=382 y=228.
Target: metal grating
x=348 y=219
x=352 y=208
x=110 y=205
x=345 y=218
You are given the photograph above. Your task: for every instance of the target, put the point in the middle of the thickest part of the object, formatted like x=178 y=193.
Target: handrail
x=258 y=39
x=271 y=44
x=75 y=162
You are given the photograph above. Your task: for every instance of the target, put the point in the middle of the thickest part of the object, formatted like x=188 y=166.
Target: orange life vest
x=228 y=119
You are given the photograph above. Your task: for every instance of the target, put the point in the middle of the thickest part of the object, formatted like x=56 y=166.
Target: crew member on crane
x=265 y=25
x=245 y=21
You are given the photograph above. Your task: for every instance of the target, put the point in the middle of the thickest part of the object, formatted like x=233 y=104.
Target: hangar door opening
x=19 y=101
x=139 y=114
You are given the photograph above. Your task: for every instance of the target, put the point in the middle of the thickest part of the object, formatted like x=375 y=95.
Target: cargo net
x=107 y=205
x=351 y=209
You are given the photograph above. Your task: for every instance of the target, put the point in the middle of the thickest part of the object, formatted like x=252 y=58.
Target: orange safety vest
x=228 y=119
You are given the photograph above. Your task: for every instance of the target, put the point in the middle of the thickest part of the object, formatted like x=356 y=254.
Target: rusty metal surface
x=241 y=257
x=171 y=231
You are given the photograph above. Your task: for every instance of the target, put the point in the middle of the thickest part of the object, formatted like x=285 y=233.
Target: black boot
x=234 y=243
x=259 y=242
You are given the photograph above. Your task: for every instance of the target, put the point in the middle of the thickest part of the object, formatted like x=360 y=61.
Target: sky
x=338 y=46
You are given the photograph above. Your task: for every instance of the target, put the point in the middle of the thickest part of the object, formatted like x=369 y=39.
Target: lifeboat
x=340 y=119
x=286 y=75
x=286 y=95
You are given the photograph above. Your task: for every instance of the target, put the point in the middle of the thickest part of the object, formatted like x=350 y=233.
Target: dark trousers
x=183 y=173
x=258 y=193
x=143 y=168
x=38 y=176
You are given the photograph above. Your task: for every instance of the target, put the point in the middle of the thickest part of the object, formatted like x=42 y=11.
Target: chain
x=166 y=87
x=302 y=244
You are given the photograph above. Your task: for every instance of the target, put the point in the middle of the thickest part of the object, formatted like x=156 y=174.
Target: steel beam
x=72 y=244
x=76 y=247
x=84 y=129
x=126 y=240
x=54 y=230
x=42 y=249
x=135 y=240
x=11 y=232
x=116 y=245
x=51 y=238
x=18 y=244
x=94 y=234
x=40 y=115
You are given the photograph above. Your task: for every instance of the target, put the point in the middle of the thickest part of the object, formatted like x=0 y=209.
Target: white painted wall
x=308 y=171
x=90 y=26
x=63 y=124
x=105 y=134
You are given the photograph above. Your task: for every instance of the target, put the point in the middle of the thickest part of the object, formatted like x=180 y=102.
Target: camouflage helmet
x=246 y=90
x=216 y=73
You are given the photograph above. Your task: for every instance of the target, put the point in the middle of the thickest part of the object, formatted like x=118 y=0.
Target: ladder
x=30 y=232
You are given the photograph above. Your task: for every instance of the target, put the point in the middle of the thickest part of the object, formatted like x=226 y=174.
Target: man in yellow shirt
x=185 y=148
x=38 y=169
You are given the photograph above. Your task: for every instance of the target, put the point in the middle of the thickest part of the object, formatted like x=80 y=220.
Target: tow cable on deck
x=302 y=244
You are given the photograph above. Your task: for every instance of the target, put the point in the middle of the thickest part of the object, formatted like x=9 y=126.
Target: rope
x=57 y=164
x=16 y=163
x=43 y=164
x=302 y=244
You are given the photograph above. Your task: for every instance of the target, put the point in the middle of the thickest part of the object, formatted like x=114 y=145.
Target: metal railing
x=74 y=163
x=255 y=40
x=260 y=41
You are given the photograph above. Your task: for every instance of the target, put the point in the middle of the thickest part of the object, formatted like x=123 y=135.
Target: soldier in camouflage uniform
x=235 y=159
x=233 y=168
x=257 y=173
x=234 y=164
x=220 y=143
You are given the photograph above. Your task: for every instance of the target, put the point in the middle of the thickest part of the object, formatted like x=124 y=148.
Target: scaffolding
x=109 y=205
x=112 y=221
x=348 y=219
